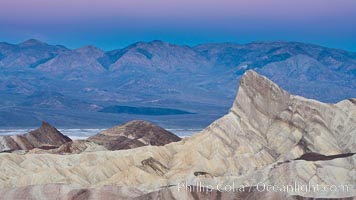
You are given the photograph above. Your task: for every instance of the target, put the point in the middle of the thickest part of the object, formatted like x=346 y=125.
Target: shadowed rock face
x=134 y=134
x=46 y=137
x=258 y=141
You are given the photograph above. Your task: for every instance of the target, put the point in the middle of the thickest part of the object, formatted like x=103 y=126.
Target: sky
x=111 y=24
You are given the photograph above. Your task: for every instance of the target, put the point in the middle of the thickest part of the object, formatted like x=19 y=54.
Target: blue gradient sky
x=111 y=24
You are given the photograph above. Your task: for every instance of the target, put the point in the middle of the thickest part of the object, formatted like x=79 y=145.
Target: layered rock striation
x=136 y=133
x=72 y=147
x=266 y=138
x=45 y=137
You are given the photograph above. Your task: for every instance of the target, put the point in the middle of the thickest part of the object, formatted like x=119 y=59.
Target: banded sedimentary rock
x=44 y=137
x=72 y=147
x=267 y=138
x=136 y=133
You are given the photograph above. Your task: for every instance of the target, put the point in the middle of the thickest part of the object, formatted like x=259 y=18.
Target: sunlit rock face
x=269 y=137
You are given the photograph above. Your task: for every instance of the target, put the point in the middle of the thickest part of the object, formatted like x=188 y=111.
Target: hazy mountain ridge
x=158 y=74
x=28 y=54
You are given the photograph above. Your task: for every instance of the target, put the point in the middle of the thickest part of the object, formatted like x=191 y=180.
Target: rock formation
x=266 y=139
x=134 y=134
x=72 y=147
x=45 y=137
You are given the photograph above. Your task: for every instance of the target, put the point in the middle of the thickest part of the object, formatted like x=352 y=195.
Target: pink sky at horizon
x=43 y=10
x=326 y=22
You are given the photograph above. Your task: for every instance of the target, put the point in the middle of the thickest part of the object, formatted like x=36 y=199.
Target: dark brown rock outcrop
x=134 y=134
x=46 y=137
x=317 y=156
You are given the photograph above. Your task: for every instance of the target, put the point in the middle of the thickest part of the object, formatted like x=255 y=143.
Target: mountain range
x=68 y=87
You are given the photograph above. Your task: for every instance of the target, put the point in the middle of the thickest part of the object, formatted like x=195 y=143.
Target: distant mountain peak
x=149 y=43
x=89 y=49
x=31 y=42
x=158 y=42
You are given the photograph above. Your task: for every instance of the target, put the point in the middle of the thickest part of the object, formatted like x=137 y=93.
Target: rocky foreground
x=268 y=138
